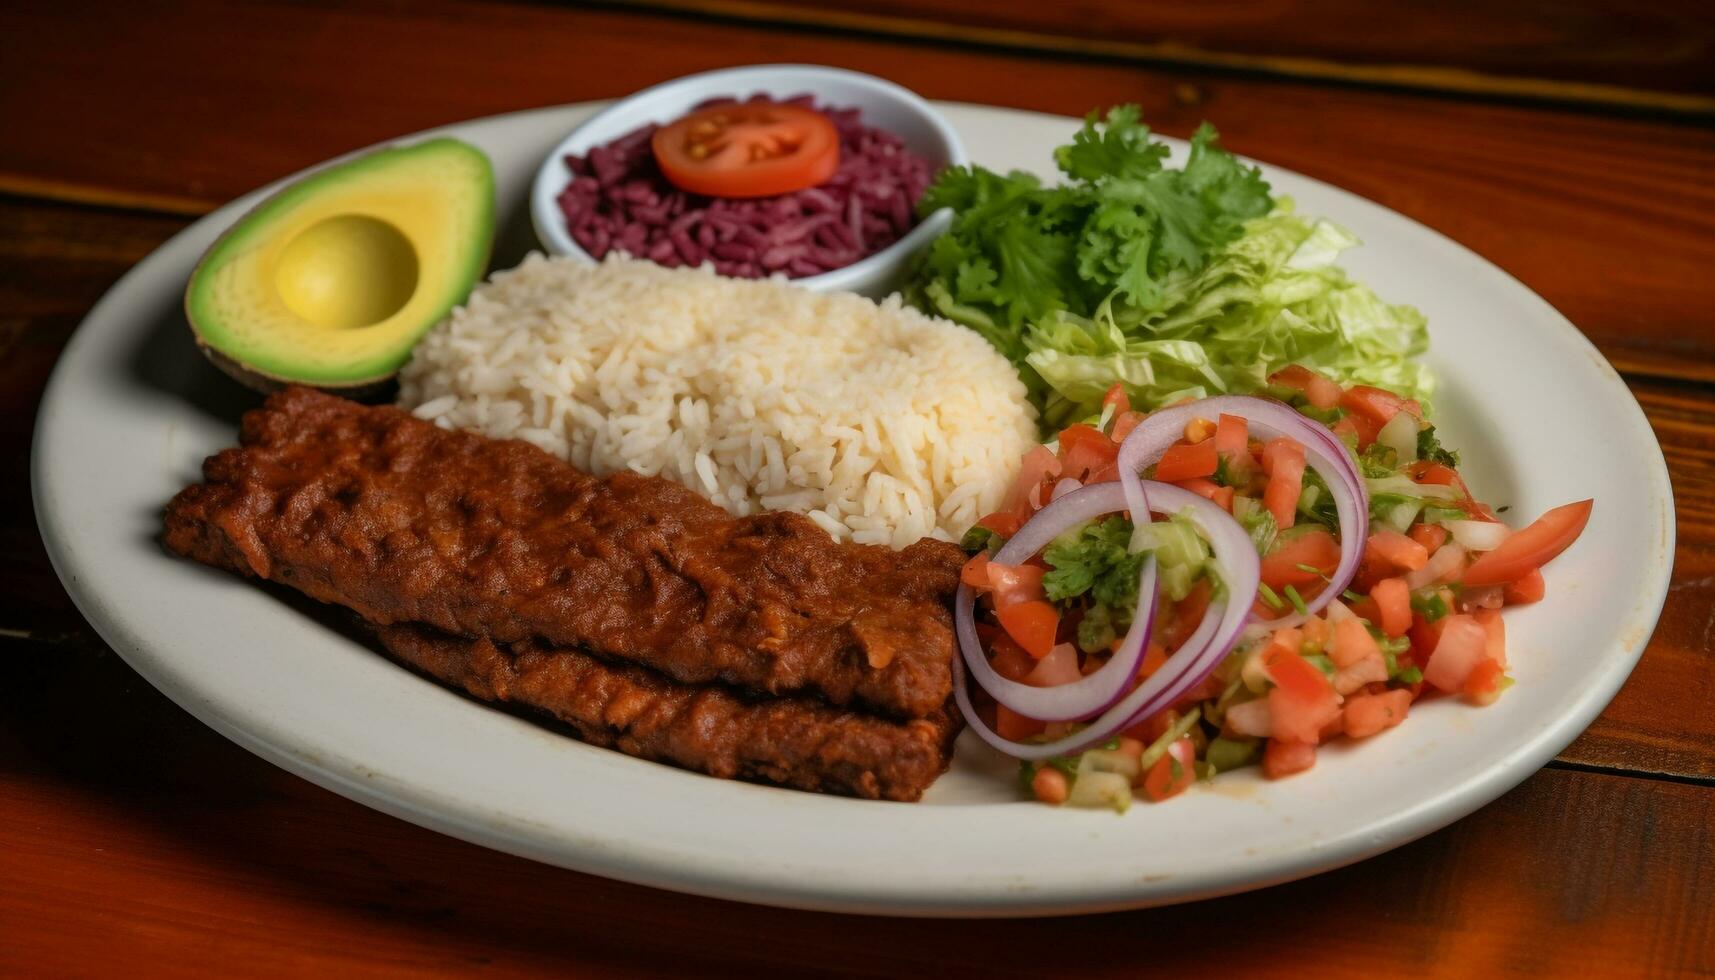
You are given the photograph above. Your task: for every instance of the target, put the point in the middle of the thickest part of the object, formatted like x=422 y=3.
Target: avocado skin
x=455 y=278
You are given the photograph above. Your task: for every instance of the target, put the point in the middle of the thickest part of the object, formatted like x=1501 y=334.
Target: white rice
x=882 y=424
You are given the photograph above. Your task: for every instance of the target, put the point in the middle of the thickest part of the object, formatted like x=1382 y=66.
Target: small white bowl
x=884 y=104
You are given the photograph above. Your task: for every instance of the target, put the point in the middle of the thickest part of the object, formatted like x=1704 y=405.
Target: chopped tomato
x=1495 y=635
x=1283 y=459
x=1286 y=563
x=1318 y=389
x=1084 y=448
x=1347 y=430
x=1232 y=436
x=1011 y=725
x=1431 y=536
x=1153 y=727
x=1367 y=714
x=1363 y=426
x=1528 y=550
x=1008 y=658
x=1117 y=398
x=1154 y=658
x=1282 y=758
x=1173 y=773
x=1458 y=652
x=1352 y=643
x=1187 y=614
x=1484 y=684
x=1032 y=625
x=1185 y=462
x=1301 y=719
x=1106 y=473
x=1372 y=403
x=1004 y=523
x=1393 y=604
x=1289 y=671
x=1390 y=547
x=1013 y=584
x=1124 y=422
x=748 y=149
x=1059 y=667
x=1201 y=487
x=976 y=572
x=1528 y=588
x=1440 y=474
x=1038 y=466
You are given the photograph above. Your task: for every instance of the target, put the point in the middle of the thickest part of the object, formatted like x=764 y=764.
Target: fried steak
x=639 y=613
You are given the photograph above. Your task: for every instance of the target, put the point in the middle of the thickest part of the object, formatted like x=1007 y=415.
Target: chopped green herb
x=1158 y=748
x=1321 y=662
x=1297 y=601
x=1351 y=596
x=1429 y=605
x=1410 y=675
x=1429 y=448
x=1095 y=558
x=1378 y=461
x=1097 y=630
x=1269 y=597
x=979 y=538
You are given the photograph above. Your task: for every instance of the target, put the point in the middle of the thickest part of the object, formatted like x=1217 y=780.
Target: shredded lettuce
x=1175 y=283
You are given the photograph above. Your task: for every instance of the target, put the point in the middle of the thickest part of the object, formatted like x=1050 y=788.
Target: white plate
x=1542 y=419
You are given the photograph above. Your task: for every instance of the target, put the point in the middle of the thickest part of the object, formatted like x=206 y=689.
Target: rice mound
x=882 y=424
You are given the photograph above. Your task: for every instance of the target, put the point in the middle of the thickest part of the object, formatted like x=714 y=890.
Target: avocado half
x=333 y=280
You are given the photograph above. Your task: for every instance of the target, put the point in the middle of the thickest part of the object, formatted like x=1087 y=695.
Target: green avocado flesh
x=333 y=280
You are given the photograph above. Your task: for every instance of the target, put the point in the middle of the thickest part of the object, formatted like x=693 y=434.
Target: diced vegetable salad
x=1263 y=656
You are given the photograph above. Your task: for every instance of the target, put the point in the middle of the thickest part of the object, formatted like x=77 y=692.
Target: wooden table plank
x=1600 y=50
x=1612 y=220
x=134 y=834
x=55 y=261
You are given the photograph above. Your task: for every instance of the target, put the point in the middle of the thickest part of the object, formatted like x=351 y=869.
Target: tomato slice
x=748 y=149
x=1530 y=549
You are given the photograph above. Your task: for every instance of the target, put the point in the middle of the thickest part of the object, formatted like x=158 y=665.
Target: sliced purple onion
x=1323 y=452
x=1083 y=698
x=1235 y=560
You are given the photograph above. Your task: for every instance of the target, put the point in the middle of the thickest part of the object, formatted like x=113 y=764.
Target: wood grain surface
x=1600 y=51
x=139 y=842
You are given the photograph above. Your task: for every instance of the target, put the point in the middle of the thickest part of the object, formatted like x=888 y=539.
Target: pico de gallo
x=1233 y=581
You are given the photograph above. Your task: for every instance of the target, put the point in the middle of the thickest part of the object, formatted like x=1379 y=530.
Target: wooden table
x=1574 y=149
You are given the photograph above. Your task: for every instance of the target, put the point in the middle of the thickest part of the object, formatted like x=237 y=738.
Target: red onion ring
x=1083 y=698
x=1323 y=452
x=1240 y=570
